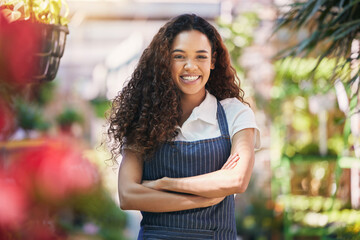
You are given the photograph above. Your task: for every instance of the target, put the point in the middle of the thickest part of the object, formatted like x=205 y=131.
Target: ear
x=213 y=60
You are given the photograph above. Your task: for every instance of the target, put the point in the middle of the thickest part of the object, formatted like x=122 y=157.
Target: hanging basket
x=52 y=49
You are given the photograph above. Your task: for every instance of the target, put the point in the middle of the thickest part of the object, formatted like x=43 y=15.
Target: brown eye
x=178 y=57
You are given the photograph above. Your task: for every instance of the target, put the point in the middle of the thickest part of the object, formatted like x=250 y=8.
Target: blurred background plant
x=333 y=25
x=237 y=35
x=30 y=117
x=40 y=11
x=256 y=217
x=68 y=117
x=315 y=124
x=298 y=96
x=48 y=188
x=331 y=44
x=100 y=105
x=43 y=24
x=50 y=191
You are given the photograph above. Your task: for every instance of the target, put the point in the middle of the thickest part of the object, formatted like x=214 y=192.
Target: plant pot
x=52 y=49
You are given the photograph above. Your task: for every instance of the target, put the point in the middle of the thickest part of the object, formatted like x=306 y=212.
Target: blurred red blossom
x=12 y=203
x=38 y=183
x=19 y=42
x=54 y=170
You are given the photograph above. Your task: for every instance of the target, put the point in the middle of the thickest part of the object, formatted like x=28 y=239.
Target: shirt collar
x=207 y=110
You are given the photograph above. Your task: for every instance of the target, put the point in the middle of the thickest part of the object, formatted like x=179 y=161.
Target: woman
x=185 y=134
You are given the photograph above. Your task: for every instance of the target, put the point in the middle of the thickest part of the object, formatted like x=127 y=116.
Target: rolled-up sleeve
x=240 y=116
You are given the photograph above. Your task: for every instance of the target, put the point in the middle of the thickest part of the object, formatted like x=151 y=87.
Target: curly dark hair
x=147 y=110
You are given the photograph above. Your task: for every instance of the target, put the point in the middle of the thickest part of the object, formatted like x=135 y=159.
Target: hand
x=213 y=201
x=217 y=200
x=231 y=161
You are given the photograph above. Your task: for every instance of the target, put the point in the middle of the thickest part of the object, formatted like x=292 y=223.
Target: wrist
x=162 y=183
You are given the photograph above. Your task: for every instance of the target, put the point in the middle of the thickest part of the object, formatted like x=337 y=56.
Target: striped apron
x=185 y=159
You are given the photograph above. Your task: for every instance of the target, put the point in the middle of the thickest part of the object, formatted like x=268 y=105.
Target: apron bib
x=185 y=159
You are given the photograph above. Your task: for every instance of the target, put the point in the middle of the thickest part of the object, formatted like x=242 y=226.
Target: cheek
x=174 y=68
x=172 y=71
x=206 y=67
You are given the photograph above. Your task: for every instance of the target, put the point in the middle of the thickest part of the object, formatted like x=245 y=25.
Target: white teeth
x=190 y=78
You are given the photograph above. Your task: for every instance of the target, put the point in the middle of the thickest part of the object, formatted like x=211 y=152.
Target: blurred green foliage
x=295 y=83
x=69 y=116
x=329 y=216
x=30 y=116
x=296 y=76
x=237 y=35
x=98 y=209
x=333 y=26
x=44 y=93
x=100 y=105
x=255 y=215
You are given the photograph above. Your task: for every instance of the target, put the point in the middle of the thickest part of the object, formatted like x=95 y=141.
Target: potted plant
x=30 y=117
x=46 y=29
x=67 y=118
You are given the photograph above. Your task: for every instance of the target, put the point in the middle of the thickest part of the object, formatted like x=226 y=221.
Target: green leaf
x=309 y=15
x=55 y=11
x=66 y=7
x=344 y=12
x=345 y=29
x=308 y=43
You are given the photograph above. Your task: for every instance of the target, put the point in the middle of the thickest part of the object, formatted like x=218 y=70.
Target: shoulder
x=240 y=116
x=233 y=104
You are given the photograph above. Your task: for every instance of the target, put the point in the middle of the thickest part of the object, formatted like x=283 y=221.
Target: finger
x=231 y=157
x=233 y=164
x=232 y=160
x=229 y=161
x=226 y=164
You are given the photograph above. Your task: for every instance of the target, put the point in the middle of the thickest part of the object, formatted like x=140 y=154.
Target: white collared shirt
x=203 y=124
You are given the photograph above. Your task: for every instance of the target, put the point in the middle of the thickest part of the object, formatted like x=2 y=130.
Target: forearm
x=138 y=197
x=134 y=196
x=226 y=181
x=216 y=184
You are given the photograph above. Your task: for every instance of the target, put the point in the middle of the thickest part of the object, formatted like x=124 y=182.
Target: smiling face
x=191 y=62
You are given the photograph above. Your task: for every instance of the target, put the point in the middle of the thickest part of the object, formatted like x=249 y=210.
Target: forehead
x=191 y=40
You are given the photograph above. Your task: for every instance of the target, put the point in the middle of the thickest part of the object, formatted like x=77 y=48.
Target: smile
x=190 y=78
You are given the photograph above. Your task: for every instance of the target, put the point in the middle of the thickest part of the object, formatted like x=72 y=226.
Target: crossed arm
x=191 y=192
x=135 y=196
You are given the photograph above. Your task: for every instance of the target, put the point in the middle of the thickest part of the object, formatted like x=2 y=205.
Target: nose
x=189 y=64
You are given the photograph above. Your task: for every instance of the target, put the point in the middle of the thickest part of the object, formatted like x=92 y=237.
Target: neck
x=188 y=103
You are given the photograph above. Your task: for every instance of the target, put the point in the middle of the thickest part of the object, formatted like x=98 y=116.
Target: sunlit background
x=306 y=180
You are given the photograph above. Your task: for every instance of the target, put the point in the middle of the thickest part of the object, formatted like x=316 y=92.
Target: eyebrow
x=179 y=50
